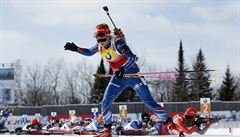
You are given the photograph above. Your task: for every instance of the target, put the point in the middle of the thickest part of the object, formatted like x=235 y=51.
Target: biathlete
x=115 y=51
x=3 y=118
x=150 y=126
x=189 y=123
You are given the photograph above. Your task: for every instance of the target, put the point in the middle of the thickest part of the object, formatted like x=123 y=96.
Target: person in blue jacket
x=114 y=50
x=3 y=118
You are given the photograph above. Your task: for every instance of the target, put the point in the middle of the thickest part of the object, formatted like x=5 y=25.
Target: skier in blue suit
x=3 y=118
x=115 y=51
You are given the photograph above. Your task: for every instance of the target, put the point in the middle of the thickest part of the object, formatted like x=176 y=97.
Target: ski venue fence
x=132 y=107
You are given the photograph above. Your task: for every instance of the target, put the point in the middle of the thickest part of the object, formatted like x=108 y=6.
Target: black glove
x=198 y=122
x=70 y=46
x=168 y=120
x=118 y=32
x=28 y=127
x=182 y=134
x=119 y=74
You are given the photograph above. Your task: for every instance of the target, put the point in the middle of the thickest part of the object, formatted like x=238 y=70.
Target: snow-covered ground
x=223 y=132
x=116 y=136
x=212 y=132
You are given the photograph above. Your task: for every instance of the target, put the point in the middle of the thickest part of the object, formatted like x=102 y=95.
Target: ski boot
x=106 y=131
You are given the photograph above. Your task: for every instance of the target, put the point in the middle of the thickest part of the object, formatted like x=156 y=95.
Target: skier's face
x=103 y=41
x=189 y=118
x=100 y=36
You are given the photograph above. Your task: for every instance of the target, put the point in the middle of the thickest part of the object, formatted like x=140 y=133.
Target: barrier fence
x=132 y=107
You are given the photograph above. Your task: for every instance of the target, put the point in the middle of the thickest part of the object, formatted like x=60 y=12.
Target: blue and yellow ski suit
x=117 y=54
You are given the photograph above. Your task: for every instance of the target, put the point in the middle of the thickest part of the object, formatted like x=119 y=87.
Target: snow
x=212 y=132
x=119 y=136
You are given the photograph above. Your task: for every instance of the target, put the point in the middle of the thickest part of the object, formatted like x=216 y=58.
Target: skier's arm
x=88 y=52
x=204 y=130
x=182 y=126
x=124 y=50
x=174 y=129
x=83 y=51
x=186 y=130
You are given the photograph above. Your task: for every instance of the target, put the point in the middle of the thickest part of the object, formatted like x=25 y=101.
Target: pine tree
x=100 y=85
x=180 y=86
x=200 y=83
x=228 y=87
x=237 y=93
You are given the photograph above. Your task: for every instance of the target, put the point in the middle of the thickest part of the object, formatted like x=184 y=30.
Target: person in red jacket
x=189 y=123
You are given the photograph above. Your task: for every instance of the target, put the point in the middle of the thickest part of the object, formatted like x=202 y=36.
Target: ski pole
x=105 y=8
x=190 y=71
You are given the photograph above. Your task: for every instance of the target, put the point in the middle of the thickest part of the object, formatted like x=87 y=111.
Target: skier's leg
x=112 y=91
x=143 y=91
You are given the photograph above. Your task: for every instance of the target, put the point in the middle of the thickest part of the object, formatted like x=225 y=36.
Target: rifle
x=201 y=120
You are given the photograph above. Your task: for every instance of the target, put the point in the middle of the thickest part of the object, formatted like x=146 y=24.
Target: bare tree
x=36 y=93
x=53 y=72
x=160 y=89
x=70 y=86
x=19 y=92
x=78 y=83
x=54 y=83
x=85 y=83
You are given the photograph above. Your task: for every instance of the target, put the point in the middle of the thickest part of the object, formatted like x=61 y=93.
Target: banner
x=94 y=113
x=123 y=111
x=7 y=85
x=205 y=106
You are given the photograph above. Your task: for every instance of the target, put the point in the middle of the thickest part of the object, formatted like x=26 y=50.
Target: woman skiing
x=115 y=51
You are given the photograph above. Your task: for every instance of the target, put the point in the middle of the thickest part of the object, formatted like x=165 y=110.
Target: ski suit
x=4 y=117
x=165 y=129
x=118 y=55
x=188 y=127
x=133 y=128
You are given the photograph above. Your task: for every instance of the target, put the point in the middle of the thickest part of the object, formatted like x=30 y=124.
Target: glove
x=182 y=134
x=70 y=46
x=118 y=32
x=29 y=127
x=119 y=74
x=168 y=120
x=198 y=122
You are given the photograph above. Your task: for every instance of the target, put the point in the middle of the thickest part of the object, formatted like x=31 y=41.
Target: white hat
x=75 y=119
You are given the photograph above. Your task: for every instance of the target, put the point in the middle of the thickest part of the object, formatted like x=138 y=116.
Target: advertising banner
x=7 y=85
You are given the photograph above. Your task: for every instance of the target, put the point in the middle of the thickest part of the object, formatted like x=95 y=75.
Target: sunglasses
x=189 y=117
x=99 y=34
x=101 y=40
